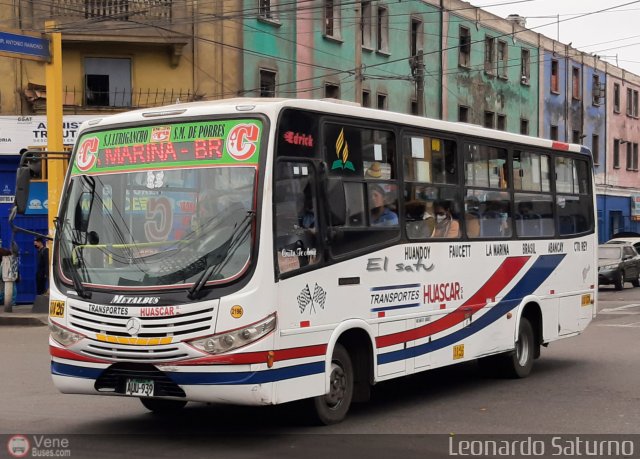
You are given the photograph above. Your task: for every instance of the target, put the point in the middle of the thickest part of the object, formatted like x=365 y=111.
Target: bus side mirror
x=337 y=202
x=23 y=180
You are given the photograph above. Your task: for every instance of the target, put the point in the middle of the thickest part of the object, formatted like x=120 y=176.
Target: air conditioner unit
x=524 y=79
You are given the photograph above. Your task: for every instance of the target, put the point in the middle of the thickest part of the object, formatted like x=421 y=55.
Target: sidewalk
x=23 y=315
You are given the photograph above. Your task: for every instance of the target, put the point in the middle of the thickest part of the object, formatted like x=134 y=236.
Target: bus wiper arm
x=232 y=244
x=75 y=278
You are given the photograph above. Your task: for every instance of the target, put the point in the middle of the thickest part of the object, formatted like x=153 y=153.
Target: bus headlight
x=228 y=341
x=64 y=336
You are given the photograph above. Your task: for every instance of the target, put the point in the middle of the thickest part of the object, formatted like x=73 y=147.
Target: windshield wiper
x=221 y=257
x=66 y=256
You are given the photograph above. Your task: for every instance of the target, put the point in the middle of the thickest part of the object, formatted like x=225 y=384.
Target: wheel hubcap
x=337 y=386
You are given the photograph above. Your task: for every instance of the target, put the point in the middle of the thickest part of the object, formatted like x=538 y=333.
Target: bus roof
x=272 y=107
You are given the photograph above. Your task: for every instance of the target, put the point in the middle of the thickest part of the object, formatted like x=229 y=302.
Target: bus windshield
x=155 y=223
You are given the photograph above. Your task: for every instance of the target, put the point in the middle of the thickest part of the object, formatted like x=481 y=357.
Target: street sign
x=24 y=46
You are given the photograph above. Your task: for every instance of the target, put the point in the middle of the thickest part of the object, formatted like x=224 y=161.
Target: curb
x=37 y=320
x=24 y=315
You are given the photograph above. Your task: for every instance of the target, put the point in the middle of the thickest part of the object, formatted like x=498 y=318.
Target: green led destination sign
x=171 y=145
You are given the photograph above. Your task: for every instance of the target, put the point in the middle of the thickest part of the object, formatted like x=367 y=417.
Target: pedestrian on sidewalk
x=42 y=265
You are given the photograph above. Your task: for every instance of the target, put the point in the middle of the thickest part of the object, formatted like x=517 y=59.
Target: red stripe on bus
x=257 y=357
x=66 y=354
x=560 y=146
x=498 y=280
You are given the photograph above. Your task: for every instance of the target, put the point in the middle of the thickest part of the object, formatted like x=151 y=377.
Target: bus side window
x=295 y=216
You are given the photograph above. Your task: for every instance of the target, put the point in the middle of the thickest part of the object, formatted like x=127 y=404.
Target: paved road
x=583 y=385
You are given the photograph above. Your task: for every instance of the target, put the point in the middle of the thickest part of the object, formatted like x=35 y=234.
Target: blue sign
x=38 y=199
x=25 y=46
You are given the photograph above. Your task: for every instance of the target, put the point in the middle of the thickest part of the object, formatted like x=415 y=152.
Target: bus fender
x=518 y=312
x=340 y=329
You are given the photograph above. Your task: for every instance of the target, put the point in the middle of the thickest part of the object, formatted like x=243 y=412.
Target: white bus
x=258 y=252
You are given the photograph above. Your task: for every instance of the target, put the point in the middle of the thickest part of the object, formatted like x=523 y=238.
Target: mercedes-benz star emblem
x=133 y=326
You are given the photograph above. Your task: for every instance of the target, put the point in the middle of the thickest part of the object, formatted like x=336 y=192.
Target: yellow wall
x=204 y=67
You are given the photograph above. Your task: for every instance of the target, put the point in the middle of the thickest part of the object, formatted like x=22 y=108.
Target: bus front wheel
x=332 y=407
x=162 y=406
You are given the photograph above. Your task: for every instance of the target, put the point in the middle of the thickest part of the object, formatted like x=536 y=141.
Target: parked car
x=618 y=263
x=634 y=241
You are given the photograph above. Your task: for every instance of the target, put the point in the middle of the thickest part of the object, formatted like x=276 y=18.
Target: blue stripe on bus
x=394 y=287
x=400 y=306
x=239 y=377
x=62 y=369
x=536 y=275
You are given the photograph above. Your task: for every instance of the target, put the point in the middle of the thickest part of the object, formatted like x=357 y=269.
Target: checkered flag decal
x=319 y=296
x=304 y=299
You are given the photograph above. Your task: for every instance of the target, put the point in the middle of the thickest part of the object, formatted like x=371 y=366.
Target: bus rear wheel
x=517 y=363
x=332 y=407
x=162 y=406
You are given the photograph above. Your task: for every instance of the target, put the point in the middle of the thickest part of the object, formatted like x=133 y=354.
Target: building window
x=575 y=79
x=595 y=148
x=575 y=136
x=382 y=101
x=489 y=120
x=463 y=113
x=367 y=25
x=616 y=97
x=555 y=76
x=416 y=36
x=464 y=50
x=525 y=66
x=616 y=153
x=267 y=83
x=632 y=156
x=332 y=91
x=382 y=27
x=524 y=126
x=414 y=107
x=489 y=54
x=107 y=82
x=503 y=59
x=597 y=91
x=366 y=99
x=502 y=123
x=332 y=19
x=267 y=9
x=632 y=102
x=553 y=132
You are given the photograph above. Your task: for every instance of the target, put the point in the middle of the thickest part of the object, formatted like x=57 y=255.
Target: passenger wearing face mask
x=446 y=225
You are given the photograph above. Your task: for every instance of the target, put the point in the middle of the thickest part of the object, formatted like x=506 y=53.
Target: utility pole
x=358 y=53
x=53 y=74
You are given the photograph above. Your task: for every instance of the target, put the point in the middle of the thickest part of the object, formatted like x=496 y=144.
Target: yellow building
x=125 y=54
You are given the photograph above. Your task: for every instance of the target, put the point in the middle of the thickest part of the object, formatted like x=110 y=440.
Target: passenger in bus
x=529 y=223
x=420 y=222
x=381 y=215
x=446 y=225
x=472 y=216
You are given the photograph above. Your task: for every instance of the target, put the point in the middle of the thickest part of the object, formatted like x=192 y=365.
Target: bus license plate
x=139 y=387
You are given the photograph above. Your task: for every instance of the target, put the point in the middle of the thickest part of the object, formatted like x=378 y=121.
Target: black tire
x=517 y=363
x=636 y=282
x=162 y=406
x=332 y=408
x=619 y=282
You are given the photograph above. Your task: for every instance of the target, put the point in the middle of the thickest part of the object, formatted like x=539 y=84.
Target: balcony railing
x=115 y=10
x=116 y=99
